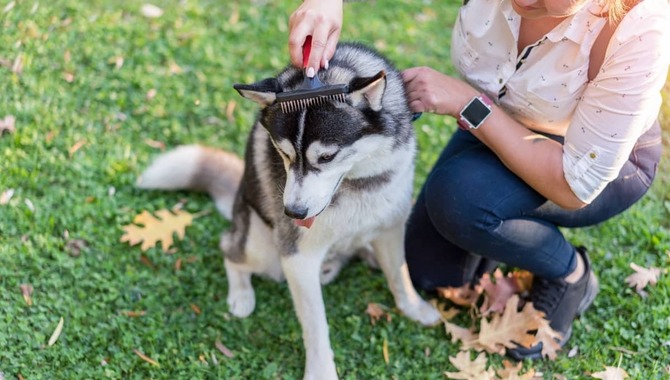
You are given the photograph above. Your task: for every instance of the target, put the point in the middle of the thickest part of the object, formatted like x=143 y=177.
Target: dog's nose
x=295 y=212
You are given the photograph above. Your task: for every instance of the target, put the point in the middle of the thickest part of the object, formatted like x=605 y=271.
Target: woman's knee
x=451 y=205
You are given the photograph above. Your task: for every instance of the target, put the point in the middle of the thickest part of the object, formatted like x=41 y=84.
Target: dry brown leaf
x=234 y=17
x=470 y=369
x=146 y=358
x=151 y=94
x=224 y=350
x=17 y=66
x=7 y=125
x=155 y=144
x=376 y=312
x=230 y=109
x=134 y=314
x=611 y=373
x=448 y=314
x=195 y=308
x=523 y=278
x=75 y=246
x=146 y=261
x=68 y=77
x=498 y=291
x=9 y=6
x=151 y=11
x=56 y=333
x=175 y=68
x=509 y=328
x=549 y=338
x=385 y=351
x=511 y=372
x=150 y=230
x=6 y=196
x=642 y=277
x=27 y=292
x=463 y=296
x=76 y=147
x=468 y=337
x=117 y=61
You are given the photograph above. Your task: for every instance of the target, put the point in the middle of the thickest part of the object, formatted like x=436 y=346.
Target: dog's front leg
x=390 y=253
x=302 y=270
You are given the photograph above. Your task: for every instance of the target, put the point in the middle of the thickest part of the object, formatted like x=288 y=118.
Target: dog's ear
x=369 y=91
x=263 y=92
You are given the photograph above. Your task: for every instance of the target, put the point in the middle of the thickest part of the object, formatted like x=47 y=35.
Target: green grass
x=89 y=194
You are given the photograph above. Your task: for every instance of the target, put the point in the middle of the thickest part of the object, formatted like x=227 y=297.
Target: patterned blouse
x=546 y=86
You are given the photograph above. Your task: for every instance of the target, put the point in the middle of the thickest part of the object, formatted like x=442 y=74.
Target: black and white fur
x=346 y=166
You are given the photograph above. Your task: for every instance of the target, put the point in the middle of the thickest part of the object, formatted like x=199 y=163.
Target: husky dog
x=318 y=184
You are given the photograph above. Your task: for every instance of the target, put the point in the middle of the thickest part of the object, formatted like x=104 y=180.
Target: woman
x=557 y=111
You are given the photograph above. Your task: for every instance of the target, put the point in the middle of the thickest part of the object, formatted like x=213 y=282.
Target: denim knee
x=457 y=212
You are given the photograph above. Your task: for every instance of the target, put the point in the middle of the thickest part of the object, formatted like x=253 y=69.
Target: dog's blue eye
x=324 y=158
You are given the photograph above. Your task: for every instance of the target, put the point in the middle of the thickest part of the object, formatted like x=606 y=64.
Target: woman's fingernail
x=325 y=65
x=310 y=72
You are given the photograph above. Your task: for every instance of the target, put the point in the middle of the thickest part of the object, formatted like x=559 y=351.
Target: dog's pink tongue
x=304 y=222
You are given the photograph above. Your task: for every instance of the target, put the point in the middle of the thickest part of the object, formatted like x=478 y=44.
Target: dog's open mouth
x=307 y=223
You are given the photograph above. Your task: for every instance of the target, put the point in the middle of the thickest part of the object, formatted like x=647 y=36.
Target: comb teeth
x=300 y=104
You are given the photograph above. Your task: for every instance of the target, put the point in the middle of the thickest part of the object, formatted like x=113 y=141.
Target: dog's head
x=320 y=144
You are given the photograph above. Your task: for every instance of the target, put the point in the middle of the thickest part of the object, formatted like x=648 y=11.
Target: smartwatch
x=474 y=114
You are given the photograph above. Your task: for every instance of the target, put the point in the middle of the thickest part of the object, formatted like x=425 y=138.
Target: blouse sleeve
x=618 y=105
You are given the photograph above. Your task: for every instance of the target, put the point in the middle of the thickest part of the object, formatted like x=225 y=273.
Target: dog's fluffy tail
x=194 y=167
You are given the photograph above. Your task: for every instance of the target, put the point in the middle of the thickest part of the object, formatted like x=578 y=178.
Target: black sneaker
x=561 y=302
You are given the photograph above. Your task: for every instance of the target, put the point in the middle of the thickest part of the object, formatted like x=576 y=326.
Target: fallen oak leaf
x=146 y=358
x=376 y=312
x=149 y=230
x=642 y=277
x=56 y=333
x=134 y=314
x=224 y=350
x=151 y=11
x=27 y=291
x=497 y=292
x=6 y=196
x=611 y=373
x=511 y=372
x=74 y=148
x=195 y=309
x=447 y=314
x=465 y=295
x=470 y=369
x=509 y=329
x=468 y=337
x=549 y=338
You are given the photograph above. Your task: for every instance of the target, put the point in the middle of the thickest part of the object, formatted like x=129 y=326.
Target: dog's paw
x=423 y=312
x=326 y=372
x=241 y=302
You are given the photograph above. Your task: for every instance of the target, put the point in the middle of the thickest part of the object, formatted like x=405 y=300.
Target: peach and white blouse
x=546 y=86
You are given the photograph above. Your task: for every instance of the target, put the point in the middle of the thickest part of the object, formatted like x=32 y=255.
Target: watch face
x=475 y=112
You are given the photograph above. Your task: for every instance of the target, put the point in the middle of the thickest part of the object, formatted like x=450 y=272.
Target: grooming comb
x=312 y=91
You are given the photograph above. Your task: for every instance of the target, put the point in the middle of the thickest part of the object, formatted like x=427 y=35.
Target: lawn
x=97 y=88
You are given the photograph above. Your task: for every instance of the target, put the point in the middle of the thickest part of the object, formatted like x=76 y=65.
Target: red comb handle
x=306 y=49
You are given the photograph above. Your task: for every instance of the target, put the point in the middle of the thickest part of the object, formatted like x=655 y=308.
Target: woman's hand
x=321 y=19
x=429 y=90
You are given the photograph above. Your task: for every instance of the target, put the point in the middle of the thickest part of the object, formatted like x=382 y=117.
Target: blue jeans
x=473 y=211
